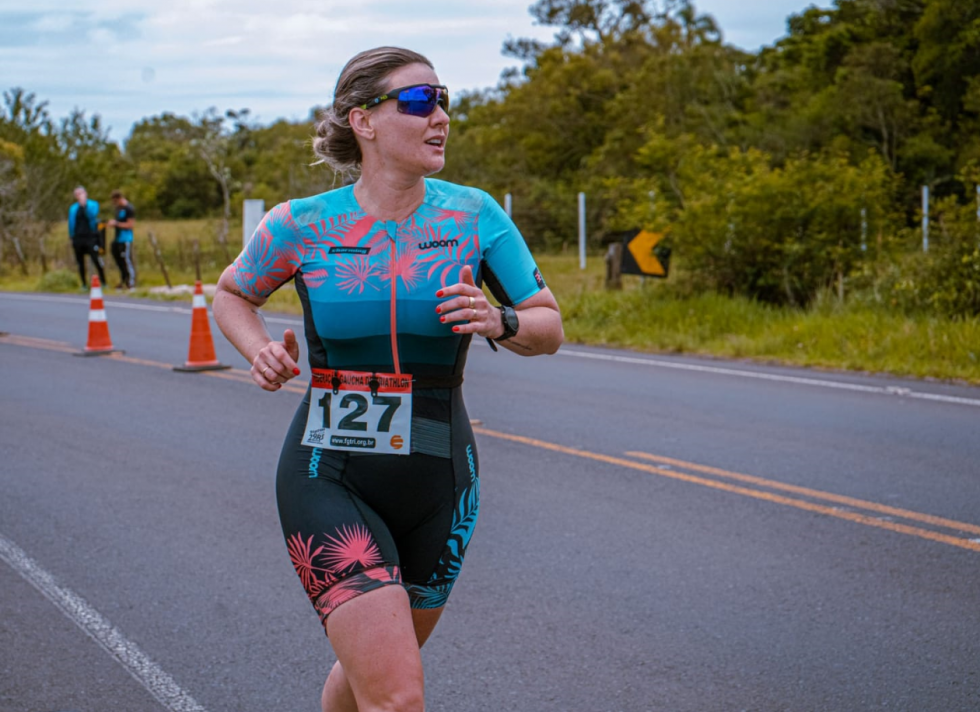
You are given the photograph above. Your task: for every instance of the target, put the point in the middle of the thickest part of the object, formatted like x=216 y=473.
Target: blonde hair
x=361 y=80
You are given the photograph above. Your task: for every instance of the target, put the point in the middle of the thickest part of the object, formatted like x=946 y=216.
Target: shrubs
x=59 y=280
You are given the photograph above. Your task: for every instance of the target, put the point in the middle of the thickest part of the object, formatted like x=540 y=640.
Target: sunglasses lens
x=422 y=100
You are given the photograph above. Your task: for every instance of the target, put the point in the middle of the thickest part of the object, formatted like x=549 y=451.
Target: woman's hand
x=470 y=307
x=275 y=363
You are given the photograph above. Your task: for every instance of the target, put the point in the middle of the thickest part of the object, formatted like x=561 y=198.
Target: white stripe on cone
x=96 y=292
x=199 y=302
x=96 y=315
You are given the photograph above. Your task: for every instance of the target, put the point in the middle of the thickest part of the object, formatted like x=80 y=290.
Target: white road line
x=128 y=305
x=85 y=300
x=820 y=383
x=135 y=661
x=817 y=382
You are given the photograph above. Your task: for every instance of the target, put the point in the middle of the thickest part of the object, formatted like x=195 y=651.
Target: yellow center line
x=817 y=494
x=236 y=374
x=756 y=494
x=242 y=376
x=36 y=343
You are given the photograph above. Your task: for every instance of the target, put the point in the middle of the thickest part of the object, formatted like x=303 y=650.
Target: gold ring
x=472 y=303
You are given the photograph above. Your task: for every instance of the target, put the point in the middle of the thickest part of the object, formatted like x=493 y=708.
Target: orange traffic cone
x=200 y=355
x=99 y=343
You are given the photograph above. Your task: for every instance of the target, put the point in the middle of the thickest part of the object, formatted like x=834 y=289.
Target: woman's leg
x=375 y=662
x=80 y=259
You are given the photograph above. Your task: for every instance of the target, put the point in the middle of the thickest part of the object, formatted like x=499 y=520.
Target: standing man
x=122 y=246
x=83 y=229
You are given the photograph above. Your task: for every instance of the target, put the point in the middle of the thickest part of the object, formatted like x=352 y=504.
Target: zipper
x=392 y=228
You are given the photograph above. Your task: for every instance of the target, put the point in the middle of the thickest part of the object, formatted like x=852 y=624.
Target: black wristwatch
x=508 y=317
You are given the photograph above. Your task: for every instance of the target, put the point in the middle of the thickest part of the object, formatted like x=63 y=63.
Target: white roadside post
x=252 y=213
x=925 y=218
x=864 y=229
x=581 y=230
x=508 y=204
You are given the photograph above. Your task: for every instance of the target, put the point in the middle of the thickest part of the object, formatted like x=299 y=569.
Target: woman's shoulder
x=453 y=196
x=320 y=206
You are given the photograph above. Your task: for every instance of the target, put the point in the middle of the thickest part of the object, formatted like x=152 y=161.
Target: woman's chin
x=433 y=167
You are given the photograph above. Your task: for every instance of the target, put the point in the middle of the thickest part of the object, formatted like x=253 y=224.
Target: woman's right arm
x=237 y=315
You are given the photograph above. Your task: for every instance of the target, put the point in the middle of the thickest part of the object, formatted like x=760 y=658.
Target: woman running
x=377 y=485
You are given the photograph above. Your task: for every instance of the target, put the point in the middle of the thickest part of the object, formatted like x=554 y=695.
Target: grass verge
x=646 y=315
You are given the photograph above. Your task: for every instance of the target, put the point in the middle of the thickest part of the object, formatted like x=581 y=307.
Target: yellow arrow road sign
x=641 y=247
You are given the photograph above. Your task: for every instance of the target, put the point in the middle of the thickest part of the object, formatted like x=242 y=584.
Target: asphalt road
x=655 y=533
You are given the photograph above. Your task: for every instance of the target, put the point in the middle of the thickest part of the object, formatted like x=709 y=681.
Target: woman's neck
x=386 y=199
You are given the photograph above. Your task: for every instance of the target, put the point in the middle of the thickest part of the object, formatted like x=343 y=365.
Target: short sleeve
x=272 y=256
x=509 y=269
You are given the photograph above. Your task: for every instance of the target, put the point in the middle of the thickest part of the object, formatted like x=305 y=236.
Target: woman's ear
x=360 y=123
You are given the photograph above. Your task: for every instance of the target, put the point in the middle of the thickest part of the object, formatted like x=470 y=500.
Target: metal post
x=581 y=230
x=864 y=230
x=508 y=205
x=925 y=218
x=252 y=213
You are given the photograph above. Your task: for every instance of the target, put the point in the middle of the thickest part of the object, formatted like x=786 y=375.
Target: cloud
x=131 y=59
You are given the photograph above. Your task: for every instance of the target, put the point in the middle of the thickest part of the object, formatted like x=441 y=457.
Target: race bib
x=360 y=412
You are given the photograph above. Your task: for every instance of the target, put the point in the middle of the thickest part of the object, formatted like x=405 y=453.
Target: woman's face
x=408 y=144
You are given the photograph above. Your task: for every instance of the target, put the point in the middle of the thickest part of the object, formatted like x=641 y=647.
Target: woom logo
x=432 y=244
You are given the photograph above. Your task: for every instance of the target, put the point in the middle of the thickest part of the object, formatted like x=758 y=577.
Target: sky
x=127 y=60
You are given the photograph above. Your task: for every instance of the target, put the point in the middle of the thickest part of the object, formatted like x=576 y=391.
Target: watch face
x=510 y=322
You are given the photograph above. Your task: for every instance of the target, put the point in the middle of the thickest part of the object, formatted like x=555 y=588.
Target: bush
x=59 y=280
x=945 y=280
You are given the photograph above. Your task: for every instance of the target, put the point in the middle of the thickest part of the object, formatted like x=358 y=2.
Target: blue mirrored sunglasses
x=416 y=100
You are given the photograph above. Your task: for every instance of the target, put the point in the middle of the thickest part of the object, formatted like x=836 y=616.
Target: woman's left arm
x=539 y=326
x=539 y=319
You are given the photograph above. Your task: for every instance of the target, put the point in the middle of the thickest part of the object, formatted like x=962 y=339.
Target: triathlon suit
x=122 y=247
x=355 y=520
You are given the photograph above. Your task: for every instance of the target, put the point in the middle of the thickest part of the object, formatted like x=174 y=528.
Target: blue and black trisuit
x=83 y=230
x=356 y=520
x=122 y=246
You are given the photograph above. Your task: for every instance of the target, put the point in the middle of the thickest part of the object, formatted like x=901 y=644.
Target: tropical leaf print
x=355 y=274
x=464 y=521
x=338 y=228
x=453 y=252
x=353 y=586
x=301 y=553
x=346 y=230
x=316 y=278
x=271 y=257
x=429 y=596
x=350 y=547
x=405 y=265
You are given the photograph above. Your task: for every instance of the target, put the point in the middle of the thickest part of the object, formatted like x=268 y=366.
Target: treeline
x=782 y=175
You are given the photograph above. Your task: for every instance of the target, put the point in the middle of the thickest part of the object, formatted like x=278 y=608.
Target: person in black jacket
x=83 y=229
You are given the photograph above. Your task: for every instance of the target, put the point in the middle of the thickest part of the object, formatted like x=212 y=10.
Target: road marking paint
x=663 y=468
x=817 y=494
x=236 y=374
x=893 y=391
x=756 y=494
x=36 y=343
x=296 y=321
x=85 y=300
x=157 y=682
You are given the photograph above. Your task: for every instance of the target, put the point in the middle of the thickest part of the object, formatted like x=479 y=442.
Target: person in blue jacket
x=83 y=230
x=122 y=245
x=378 y=481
